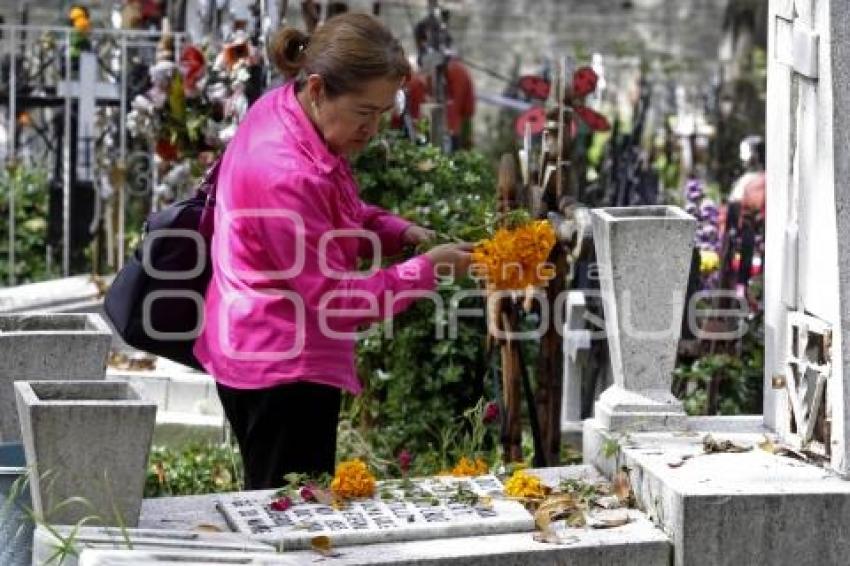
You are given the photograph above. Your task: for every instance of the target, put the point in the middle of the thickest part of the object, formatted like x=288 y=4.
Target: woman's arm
x=291 y=221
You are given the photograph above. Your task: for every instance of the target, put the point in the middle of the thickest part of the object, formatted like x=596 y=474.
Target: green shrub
x=197 y=469
x=31 y=188
x=418 y=387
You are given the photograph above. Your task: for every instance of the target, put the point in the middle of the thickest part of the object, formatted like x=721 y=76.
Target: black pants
x=283 y=429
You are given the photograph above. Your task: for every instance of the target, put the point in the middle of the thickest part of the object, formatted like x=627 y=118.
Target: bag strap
x=207 y=188
x=209 y=181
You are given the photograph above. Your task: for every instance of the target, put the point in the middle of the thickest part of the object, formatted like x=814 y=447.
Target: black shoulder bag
x=156 y=302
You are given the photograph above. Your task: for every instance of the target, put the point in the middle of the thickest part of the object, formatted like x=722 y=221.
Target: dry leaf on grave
x=554 y=508
x=712 y=446
x=767 y=445
x=207 y=528
x=322 y=545
x=682 y=459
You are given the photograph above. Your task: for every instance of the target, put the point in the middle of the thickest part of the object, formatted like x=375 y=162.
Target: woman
x=284 y=299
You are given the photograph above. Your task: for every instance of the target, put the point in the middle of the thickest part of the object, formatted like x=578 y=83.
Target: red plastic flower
x=596 y=121
x=491 y=413
x=281 y=503
x=405 y=458
x=584 y=81
x=535 y=87
x=536 y=119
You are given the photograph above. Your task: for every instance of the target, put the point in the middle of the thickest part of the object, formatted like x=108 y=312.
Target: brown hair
x=346 y=51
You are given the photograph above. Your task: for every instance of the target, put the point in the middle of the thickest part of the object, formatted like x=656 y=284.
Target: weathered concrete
x=47 y=346
x=753 y=508
x=47 y=541
x=637 y=542
x=644 y=256
x=87 y=439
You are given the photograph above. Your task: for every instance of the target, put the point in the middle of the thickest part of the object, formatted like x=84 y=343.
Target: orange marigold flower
x=516 y=258
x=524 y=485
x=466 y=467
x=353 y=479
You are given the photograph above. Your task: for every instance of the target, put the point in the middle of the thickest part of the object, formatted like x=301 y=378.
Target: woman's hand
x=415 y=235
x=451 y=259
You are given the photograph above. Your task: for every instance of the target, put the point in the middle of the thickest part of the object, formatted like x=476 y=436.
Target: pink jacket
x=285 y=299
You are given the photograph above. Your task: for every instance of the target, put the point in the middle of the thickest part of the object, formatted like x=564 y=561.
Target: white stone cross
x=807 y=277
x=87 y=90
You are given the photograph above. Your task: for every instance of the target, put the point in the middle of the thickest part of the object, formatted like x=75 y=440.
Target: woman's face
x=348 y=121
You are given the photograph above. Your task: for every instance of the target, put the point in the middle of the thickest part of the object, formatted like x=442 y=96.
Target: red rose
x=281 y=504
x=405 y=458
x=307 y=493
x=491 y=413
x=584 y=81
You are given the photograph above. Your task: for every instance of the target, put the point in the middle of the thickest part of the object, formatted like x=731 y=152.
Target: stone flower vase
x=86 y=439
x=644 y=257
x=47 y=346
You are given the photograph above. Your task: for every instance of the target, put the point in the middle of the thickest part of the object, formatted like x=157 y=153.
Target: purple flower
x=693 y=190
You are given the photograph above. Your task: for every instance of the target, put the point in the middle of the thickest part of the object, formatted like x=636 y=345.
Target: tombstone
x=806 y=399
x=424 y=509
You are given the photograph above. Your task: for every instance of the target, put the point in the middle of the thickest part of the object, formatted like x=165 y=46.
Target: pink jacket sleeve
x=388 y=227
x=321 y=273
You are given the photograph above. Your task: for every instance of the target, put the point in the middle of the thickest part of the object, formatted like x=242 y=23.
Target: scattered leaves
x=682 y=459
x=712 y=446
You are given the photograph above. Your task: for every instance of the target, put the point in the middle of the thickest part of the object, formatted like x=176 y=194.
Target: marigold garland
x=524 y=485
x=353 y=479
x=515 y=258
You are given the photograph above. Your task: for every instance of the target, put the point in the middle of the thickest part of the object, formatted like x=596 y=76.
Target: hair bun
x=286 y=50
